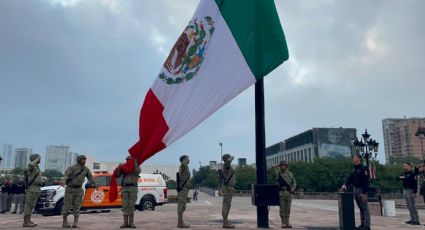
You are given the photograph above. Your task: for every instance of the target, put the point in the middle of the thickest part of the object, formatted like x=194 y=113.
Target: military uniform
x=129 y=194
x=33 y=189
x=74 y=179
x=228 y=189
x=184 y=176
x=285 y=194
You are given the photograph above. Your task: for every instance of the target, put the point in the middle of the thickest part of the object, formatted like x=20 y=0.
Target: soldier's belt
x=130 y=184
x=75 y=186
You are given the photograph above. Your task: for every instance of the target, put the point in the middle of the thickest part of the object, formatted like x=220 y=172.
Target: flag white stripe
x=224 y=74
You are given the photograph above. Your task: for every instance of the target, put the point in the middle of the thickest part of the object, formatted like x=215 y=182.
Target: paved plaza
x=206 y=214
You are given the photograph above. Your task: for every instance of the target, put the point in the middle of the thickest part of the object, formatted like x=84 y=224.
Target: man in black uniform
x=410 y=188
x=359 y=178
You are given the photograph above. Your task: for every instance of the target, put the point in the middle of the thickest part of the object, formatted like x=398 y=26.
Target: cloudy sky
x=75 y=72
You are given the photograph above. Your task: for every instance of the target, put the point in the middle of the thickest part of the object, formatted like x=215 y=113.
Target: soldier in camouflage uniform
x=33 y=189
x=74 y=179
x=228 y=189
x=287 y=185
x=182 y=189
x=128 y=193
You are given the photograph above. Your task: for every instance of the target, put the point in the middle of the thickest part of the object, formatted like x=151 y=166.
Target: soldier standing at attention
x=33 y=189
x=128 y=192
x=228 y=189
x=74 y=179
x=359 y=178
x=182 y=190
x=287 y=185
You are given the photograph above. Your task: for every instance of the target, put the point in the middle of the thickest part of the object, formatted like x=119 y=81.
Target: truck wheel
x=58 y=207
x=147 y=204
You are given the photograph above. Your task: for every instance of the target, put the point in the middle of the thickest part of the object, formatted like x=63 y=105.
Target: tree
x=18 y=171
x=401 y=160
x=51 y=174
x=245 y=177
x=171 y=184
x=205 y=176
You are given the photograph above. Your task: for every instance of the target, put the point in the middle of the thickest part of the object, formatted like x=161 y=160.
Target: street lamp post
x=367 y=147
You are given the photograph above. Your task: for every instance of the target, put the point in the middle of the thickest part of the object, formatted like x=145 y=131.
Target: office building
x=58 y=157
x=400 y=138
x=22 y=157
x=8 y=162
x=312 y=144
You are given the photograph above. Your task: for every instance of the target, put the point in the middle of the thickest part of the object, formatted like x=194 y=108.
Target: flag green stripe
x=256 y=28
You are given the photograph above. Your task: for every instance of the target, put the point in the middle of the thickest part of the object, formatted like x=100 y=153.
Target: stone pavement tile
x=206 y=214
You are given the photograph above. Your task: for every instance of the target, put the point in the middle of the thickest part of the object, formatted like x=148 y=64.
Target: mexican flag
x=227 y=46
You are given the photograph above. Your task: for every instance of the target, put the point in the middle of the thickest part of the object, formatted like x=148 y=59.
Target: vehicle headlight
x=50 y=194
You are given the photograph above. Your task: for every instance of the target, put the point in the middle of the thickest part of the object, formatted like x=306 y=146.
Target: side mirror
x=87 y=186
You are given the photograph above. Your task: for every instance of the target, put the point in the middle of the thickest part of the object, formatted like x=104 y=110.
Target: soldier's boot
x=75 y=224
x=65 y=222
x=282 y=218
x=181 y=223
x=125 y=223
x=130 y=221
x=288 y=225
x=32 y=222
x=226 y=224
x=27 y=222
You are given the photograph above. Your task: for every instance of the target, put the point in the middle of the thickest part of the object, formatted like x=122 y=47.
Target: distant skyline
x=75 y=72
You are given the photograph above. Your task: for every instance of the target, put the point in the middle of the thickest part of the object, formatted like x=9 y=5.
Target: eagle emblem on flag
x=188 y=52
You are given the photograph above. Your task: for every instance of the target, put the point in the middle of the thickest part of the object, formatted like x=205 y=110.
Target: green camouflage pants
x=128 y=198
x=228 y=193
x=182 y=200
x=31 y=199
x=285 y=208
x=72 y=201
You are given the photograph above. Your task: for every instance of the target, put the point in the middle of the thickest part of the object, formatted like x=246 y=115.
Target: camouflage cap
x=34 y=156
x=183 y=157
x=226 y=157
x=283 y=163
x=80 y=157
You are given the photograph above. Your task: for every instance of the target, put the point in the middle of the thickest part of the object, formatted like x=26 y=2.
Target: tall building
x=71 y=158
x=241 y=161
x=8 y=155
x=311 y=144
x=400 y=139
x=22 y=157
x=58 y=157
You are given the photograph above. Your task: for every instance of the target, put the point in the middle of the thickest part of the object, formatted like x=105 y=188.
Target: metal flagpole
x=260 y=148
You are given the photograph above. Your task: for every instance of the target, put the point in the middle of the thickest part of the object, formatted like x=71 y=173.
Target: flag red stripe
x=152 y=129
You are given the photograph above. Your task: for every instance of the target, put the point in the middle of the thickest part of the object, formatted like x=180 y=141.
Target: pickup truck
x=152 y=191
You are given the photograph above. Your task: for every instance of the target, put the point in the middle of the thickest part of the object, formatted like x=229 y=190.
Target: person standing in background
x=19 y=190
x=410 y=188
